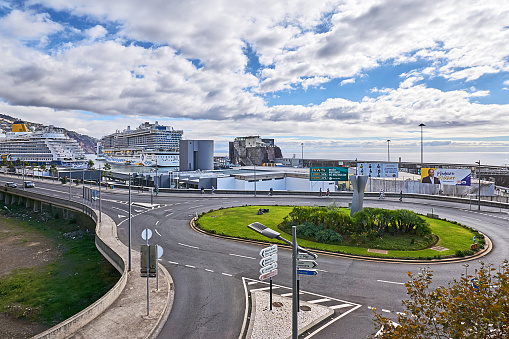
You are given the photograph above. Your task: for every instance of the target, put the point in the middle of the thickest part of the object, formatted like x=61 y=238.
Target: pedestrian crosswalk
x=338 y=305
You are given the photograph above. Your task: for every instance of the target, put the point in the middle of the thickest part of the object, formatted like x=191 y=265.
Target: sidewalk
x=127 y=316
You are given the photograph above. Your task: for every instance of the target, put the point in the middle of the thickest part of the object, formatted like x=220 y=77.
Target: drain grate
x=305 y=308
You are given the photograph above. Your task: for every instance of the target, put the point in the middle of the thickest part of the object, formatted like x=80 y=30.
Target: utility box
x=151 y=253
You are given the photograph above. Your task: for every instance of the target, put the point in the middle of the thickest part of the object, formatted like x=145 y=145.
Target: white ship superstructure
x=148 y=145
x=49 y=146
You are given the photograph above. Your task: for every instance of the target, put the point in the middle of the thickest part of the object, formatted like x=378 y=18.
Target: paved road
x=209 y=271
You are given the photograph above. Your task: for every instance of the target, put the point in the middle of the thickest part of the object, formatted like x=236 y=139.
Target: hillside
x=87 y=143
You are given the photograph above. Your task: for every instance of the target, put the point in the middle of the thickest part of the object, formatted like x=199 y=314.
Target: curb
x=486 y=250
x=169 y=304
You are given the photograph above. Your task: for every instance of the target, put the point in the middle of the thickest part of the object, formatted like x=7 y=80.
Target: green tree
x=53 y=170
x=474 y=306
x=90 y=165
x=43 y=169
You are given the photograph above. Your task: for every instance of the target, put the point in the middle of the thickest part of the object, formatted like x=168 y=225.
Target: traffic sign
x=268 y=260
x=306 y=264
x=307 y=272
x=268 y=251
x=328 y=173
x=306 y=256
x=146 y=234
x=267 y=275
x=267 y=269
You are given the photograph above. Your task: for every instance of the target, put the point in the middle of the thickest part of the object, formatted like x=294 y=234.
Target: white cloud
x=96 y=32
x=27 y=25
x=348 y=81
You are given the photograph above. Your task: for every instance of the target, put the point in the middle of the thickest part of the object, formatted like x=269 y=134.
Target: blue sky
x=342 y=77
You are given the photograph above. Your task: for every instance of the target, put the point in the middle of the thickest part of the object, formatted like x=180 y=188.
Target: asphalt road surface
x=208 y=271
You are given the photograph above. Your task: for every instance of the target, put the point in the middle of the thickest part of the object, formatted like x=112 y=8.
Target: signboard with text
x=328 y=173
x=446 y=176
x=378 y=170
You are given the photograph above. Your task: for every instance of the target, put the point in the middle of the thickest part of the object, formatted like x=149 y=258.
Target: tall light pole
x=388 y=154
x=421 y=125
x=271 y=234
x=479 y=178
x=302 y=145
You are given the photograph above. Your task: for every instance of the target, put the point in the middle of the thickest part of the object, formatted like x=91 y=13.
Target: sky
x=327 y=79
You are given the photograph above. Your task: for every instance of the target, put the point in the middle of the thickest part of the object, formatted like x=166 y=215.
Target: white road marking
x=167 y=215
x=120 y=209
x=319 y=301
x=138 y=211
x=286 y=294
x=195 y=206
x=391 y=282
x=340 y=306
x=252 y=282
x=209 y=270
x=173 y=262
x=321 y=270
x=188 y=245
x=242 y=256
x=120 y=216
x=229 y=275
x=159 y=234
x=190 y=266
x=262 y=289
x=386 y=311
x=157 y=222
x=400 y=313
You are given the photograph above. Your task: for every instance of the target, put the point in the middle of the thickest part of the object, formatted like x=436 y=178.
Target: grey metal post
x=254 y=169
x=302 y=155
x=421 y=125
x=23 y=177
x=148 y=272
x=295 y=302
x=388 y=154
x=479 y=205
x=100 y=177
x=70 y=181
x=129 y=222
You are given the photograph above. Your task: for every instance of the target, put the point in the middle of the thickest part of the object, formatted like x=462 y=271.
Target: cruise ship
x=147 y=145
x=48 y=146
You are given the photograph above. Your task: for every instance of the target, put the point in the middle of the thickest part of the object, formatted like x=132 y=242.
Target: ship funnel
x=19 y=126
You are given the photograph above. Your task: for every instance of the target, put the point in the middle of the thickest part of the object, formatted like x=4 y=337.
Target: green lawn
x=53 y=292
x=233 y=222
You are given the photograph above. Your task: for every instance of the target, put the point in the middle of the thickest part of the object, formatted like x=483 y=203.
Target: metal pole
x=479 y=205
x=148 y=272
x=421 y=125
x=23 y=177
x=70 y=179
x=270 y=301
x=295 y=302
x=129 y=222
x=254 y=169
x=388 y=154
x=302 y=145
x=100 y=177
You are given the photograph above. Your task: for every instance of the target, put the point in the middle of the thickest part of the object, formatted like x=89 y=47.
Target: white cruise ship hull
x=145 y=159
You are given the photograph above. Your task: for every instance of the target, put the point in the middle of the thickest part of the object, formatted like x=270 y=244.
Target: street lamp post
x=130 y=223
x=271 y=234
x=302 y=157
x=479 y=178
x=388 y=154
x=421 y=125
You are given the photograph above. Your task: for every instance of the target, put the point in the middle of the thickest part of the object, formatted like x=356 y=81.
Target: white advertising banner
x=378 y=170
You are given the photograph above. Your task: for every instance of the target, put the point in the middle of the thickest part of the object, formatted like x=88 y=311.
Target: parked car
x=29 y=184
x=10 y=184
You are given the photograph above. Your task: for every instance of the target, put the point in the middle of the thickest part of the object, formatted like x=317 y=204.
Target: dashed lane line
x=173 y=262
x=391 y=282
x=242 y=256
x=188 y=246
x=227 y=274
x=159 y=234
x=190 y=266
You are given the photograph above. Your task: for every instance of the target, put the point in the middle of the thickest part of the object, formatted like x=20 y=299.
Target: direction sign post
x=269 y=266
x=306 y=264
x=307 y=272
